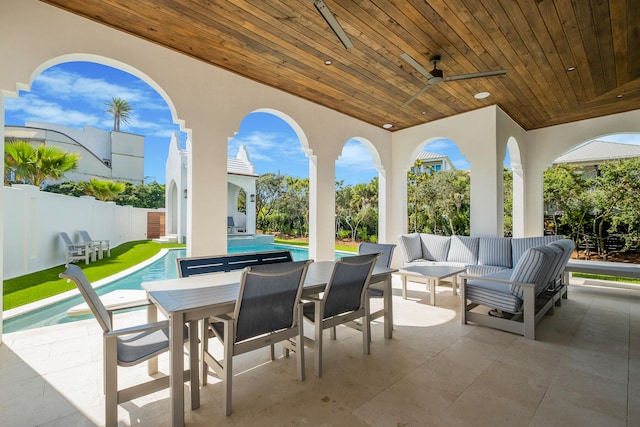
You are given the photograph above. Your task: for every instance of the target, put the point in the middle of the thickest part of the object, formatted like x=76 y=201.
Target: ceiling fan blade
x=420 y=92
x=476 y=75
x=416 y=65
x=333 y=23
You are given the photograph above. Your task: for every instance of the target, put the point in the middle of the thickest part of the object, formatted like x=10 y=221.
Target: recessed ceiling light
x=481 y=95
x=424 y=113
x=619 y=96
x=328 y=62
x=387 y=125
x=571 y=68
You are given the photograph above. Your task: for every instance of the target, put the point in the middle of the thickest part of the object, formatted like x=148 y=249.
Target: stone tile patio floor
x=584 y=370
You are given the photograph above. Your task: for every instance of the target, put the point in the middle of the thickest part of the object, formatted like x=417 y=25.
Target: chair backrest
x=230 y=222
x=345 y=291
x=268 y=298
x=384 y=249
x=216 y=264
x=65 y=238
x=75 y=273
x=85 y=236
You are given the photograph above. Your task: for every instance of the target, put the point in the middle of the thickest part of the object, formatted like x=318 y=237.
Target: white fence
x=33 y=220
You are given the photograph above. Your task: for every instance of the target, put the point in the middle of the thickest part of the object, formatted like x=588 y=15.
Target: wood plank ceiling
x=285 y=44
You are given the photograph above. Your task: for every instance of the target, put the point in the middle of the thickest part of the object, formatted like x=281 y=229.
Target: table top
x=434 y=271
x=219 y=291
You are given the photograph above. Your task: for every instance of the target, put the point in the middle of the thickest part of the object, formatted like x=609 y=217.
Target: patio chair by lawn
x=98 y=246
x=231 y=225
x=268 y=310
x=126 y=347
x=73 y=251
x=344 y=300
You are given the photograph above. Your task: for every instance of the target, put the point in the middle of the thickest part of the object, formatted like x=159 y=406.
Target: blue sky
x=74 y=94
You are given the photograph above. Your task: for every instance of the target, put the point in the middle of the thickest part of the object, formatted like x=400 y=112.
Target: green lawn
x=42 y=284
x=611 y=278
x=305 y=244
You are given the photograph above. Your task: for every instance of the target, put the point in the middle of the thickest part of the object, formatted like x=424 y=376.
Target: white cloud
x=355 y=155
x=271 y=147
x=439 y=144
x=34 y=109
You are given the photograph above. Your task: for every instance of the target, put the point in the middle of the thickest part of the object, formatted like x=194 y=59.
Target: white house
x=241 y=175
x=432 y=162
x=105 y=155
x=588 y=156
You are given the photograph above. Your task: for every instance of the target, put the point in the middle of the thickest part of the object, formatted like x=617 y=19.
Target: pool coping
x=36 y=305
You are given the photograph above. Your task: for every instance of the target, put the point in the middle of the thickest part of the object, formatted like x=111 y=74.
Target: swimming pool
x=163 y=268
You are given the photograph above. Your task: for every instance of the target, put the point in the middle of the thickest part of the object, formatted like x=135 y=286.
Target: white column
x=1 y=216
x=518 y=201
x=206 y=186
x=384 y=231
x=322 y=208
x=533 y=217
x=486 y=189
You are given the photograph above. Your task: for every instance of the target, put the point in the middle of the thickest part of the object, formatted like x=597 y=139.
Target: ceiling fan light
x=481 y=95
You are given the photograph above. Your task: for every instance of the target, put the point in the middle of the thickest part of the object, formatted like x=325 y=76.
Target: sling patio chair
x=98 y=246
x=384 y=260
x=75 y=251
x=125 y=347
x=268 y=311
x=344 y=299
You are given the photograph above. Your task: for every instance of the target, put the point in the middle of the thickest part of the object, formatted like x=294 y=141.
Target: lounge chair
x=344 y=300
x=75 y=252
x=125 y=347
x=268 y=310
x=98 y=246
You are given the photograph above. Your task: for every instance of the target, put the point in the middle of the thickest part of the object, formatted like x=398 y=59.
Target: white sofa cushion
x=483 y=270
x=495 y=251
x=520 y=244
x=434 y=247
x=411 y=246
x=463 y=249
x=532 y=267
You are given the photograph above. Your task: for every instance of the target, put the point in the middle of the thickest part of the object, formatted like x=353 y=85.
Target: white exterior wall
x=33 y=220
x=127 y=157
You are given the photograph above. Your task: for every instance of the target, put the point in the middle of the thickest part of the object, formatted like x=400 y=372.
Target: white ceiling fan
x=436 y=76
x=333 y=23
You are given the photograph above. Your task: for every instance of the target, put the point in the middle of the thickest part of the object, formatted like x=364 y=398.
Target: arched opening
x=591 y=195
x=357 y=193
x=438 y=189
x=276 y=184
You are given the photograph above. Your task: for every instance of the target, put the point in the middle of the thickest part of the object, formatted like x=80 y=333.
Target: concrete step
x=169 y=238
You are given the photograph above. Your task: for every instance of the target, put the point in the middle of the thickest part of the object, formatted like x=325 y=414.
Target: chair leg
x=111 y=381
x=366 y=328
x=204 y=347
x=318 y=340
x=272 y=353
x=300 y=346
x=332 y=333
x=227 y=364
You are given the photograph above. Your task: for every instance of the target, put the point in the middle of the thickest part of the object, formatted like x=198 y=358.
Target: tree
x=120 y=109
x=103 y=190
x=35 y=165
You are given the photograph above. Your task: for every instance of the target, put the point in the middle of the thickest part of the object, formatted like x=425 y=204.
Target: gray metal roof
x=425 y=155
x=598 y=151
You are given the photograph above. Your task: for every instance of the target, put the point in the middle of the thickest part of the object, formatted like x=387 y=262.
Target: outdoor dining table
x=190 y=299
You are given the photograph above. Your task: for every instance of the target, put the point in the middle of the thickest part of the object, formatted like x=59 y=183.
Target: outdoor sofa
x=518 y=279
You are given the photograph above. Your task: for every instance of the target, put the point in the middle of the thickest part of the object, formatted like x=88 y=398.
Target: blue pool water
x=163 y=268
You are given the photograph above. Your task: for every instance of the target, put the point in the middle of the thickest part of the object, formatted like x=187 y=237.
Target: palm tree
x=35 y=165
x=120 y=109
x=103 y=190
